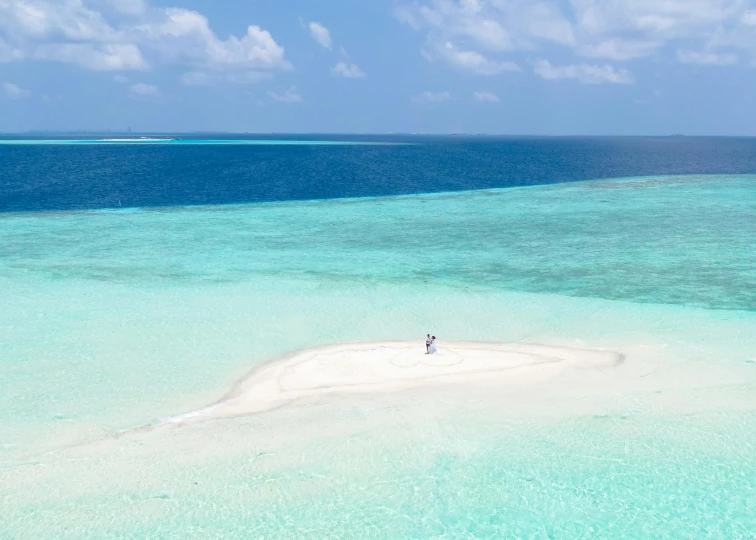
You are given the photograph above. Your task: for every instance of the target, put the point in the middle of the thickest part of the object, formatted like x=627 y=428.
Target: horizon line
x=360 y=134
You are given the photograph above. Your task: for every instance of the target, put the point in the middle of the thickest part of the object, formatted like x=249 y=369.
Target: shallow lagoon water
x=115 y=319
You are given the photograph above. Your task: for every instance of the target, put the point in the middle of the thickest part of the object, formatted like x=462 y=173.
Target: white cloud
x=196 y=78
x=126 y=7
x=54 y=21
x=661 y=19
x=585 y=73
x=288 y=96
x=706 y=58
x=642 y=27
x=486 y=97
x=431 y=97
x=249 y=77
x=545 y=21
x=749 y=18
x=202 y=78
x=617 y=30
x=8 y=53
x=184 y=36
x=348 y=71
x=65 y=31
x=467 y=60
x=128 y=35
x=142 y=89
x=320 y=34
x=494 y=25
x=14 y=92
x=99 y=57
x=619 y=49
x=121 y=79
x=464 y=33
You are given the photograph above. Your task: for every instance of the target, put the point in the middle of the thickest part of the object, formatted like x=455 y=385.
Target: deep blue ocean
x=73 y=177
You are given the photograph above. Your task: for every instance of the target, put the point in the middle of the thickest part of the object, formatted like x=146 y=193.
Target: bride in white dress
x=433 y=347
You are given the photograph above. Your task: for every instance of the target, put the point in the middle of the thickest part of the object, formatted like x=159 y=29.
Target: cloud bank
x=123 y=35
x=480 y=36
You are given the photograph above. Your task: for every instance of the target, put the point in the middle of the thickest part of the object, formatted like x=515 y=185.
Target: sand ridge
x=388 y=366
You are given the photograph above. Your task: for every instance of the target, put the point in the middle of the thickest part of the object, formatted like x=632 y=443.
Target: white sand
x=382 y=367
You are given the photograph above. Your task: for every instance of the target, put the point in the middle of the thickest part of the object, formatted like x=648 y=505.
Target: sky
x=543 y=67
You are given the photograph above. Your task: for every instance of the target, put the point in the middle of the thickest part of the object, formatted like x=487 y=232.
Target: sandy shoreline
x=389 y=366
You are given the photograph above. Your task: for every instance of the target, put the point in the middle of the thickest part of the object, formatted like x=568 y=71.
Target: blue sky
x=377 y=66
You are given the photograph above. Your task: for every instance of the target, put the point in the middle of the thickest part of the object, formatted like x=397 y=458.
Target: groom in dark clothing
x=427 y=344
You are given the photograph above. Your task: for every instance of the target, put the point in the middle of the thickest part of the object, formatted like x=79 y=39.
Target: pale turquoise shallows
x=115 y=319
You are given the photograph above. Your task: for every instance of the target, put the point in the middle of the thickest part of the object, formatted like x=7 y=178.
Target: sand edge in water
x=389 y=366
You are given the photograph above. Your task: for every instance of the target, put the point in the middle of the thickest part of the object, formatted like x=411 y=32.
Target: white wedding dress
x=433 y=348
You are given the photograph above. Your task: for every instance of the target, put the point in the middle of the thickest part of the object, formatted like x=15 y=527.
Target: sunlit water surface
x=116 y=319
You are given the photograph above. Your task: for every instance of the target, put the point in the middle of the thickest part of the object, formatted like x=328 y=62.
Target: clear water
x=184 y=142
x=63 y=176
x=113 y=319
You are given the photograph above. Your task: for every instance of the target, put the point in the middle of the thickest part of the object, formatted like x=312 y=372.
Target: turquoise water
x=114 y=319
x=659 y=240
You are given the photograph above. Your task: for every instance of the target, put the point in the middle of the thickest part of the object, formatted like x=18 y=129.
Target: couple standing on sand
x=430 y=345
